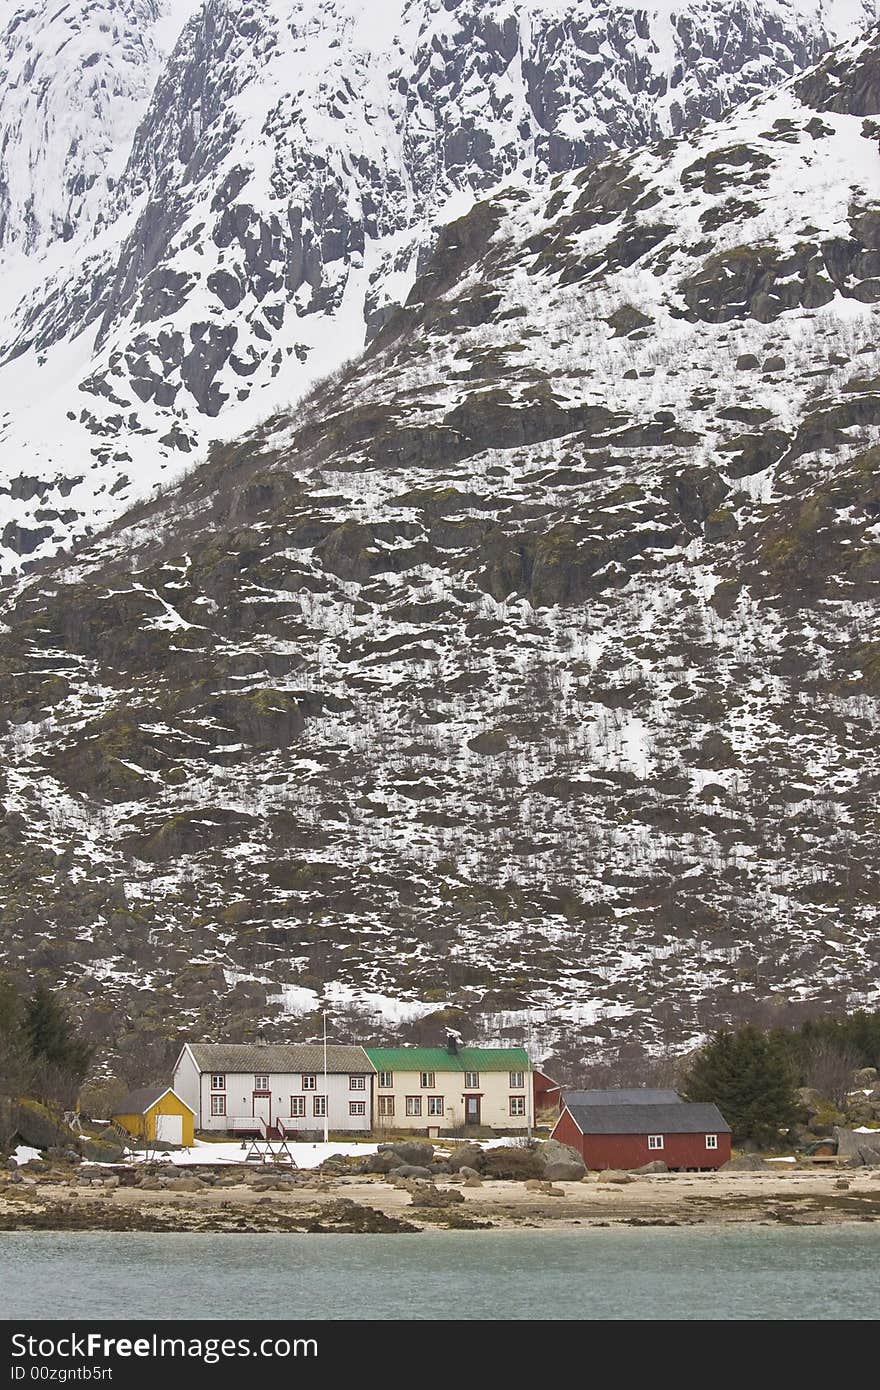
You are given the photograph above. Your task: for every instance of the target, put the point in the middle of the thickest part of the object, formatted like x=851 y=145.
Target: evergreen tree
x=857 y=1035
x=748 y=1076
x=60 y=1056
x=10 y=1008
x=15 y=1062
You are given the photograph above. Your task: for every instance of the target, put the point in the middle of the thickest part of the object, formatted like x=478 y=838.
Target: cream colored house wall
x=494 y=1090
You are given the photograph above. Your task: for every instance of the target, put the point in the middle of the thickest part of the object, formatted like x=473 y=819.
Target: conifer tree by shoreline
x=747 y=1074
x=60 y=1057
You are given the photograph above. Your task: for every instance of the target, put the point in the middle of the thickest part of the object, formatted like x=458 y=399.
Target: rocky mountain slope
x=528 y=673
x=175 y=271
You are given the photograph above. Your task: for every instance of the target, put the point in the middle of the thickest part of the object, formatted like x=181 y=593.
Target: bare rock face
x=77 y=81
x=847 y=81
x=236 y=179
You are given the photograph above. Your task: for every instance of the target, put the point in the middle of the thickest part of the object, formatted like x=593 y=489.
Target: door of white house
x=263 y=1107
x=169 y=1128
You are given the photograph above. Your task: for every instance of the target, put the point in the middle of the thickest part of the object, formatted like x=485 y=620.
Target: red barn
x=547 y=1093
x=683 y=1135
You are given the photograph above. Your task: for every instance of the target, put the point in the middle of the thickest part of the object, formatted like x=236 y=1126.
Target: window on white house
x=655 y=1141
x=218 y=1081
x=218 y=1105
x=386 y=1079
x=261 y=1083
x=310 y=1083
x=471 y=1080
x=297 y=1106
x=517 y=1105
x=711 y=1141
x=427 y=1080
x=319 y=1105
x=357 y=1083
x=517 y=1080
x=386 y=1105
x=413 y=1105
x=357 y=1107
x=435 y=1105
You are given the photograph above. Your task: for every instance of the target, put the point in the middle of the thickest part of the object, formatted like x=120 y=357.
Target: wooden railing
x=248 y=1124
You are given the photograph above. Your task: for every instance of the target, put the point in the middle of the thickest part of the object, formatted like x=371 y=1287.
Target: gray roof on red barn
x=637 y=1095
x=681 y=1118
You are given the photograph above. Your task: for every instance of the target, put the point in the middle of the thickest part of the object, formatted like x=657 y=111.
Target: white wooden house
x=276 y=1089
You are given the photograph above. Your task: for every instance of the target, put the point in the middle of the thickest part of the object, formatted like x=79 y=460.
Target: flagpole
x=326 y=1091
x=530 y=1093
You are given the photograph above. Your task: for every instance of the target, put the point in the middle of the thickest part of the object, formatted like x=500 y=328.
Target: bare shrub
x=829 y=1068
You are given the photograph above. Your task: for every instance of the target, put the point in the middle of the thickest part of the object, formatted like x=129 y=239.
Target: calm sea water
x=750 y=1272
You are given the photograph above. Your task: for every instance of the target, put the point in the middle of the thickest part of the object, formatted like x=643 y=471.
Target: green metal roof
x=439 y=1059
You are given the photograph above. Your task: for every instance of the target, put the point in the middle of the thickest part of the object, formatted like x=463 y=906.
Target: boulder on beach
x=186 y=1185
x=745 y=1163
x=562 y=1163
x=416 y=1151
x=856 y=1143
x=515 y=1163
x=379 y=1162
x=412 y=1170
x=465 y=1156
x=615 y=1175
x=564 y=1171
x=427 y=1195
x=101 y=1151
x=38 y=1128
x=655 y=1166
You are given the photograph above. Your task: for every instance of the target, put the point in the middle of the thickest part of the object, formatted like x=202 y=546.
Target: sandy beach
x=317 y=1202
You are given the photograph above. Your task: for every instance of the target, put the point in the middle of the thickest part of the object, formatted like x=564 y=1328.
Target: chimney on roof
x=453 y=1041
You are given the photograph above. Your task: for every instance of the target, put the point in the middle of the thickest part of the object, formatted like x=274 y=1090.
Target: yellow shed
x=157 y=1113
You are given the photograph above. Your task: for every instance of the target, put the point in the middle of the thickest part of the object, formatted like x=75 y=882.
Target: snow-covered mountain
x=192 y=238
x=75 y=82
x=526 y=674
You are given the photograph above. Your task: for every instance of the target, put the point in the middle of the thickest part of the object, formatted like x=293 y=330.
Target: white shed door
x=170 y=1128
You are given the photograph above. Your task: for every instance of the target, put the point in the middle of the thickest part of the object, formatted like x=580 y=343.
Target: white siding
x=239 y=1094
x=186 y=1083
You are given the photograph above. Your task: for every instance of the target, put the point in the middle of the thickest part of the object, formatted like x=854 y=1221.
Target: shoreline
x=370 y=1205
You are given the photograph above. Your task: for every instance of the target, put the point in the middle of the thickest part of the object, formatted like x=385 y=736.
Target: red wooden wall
x=631 y=1150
